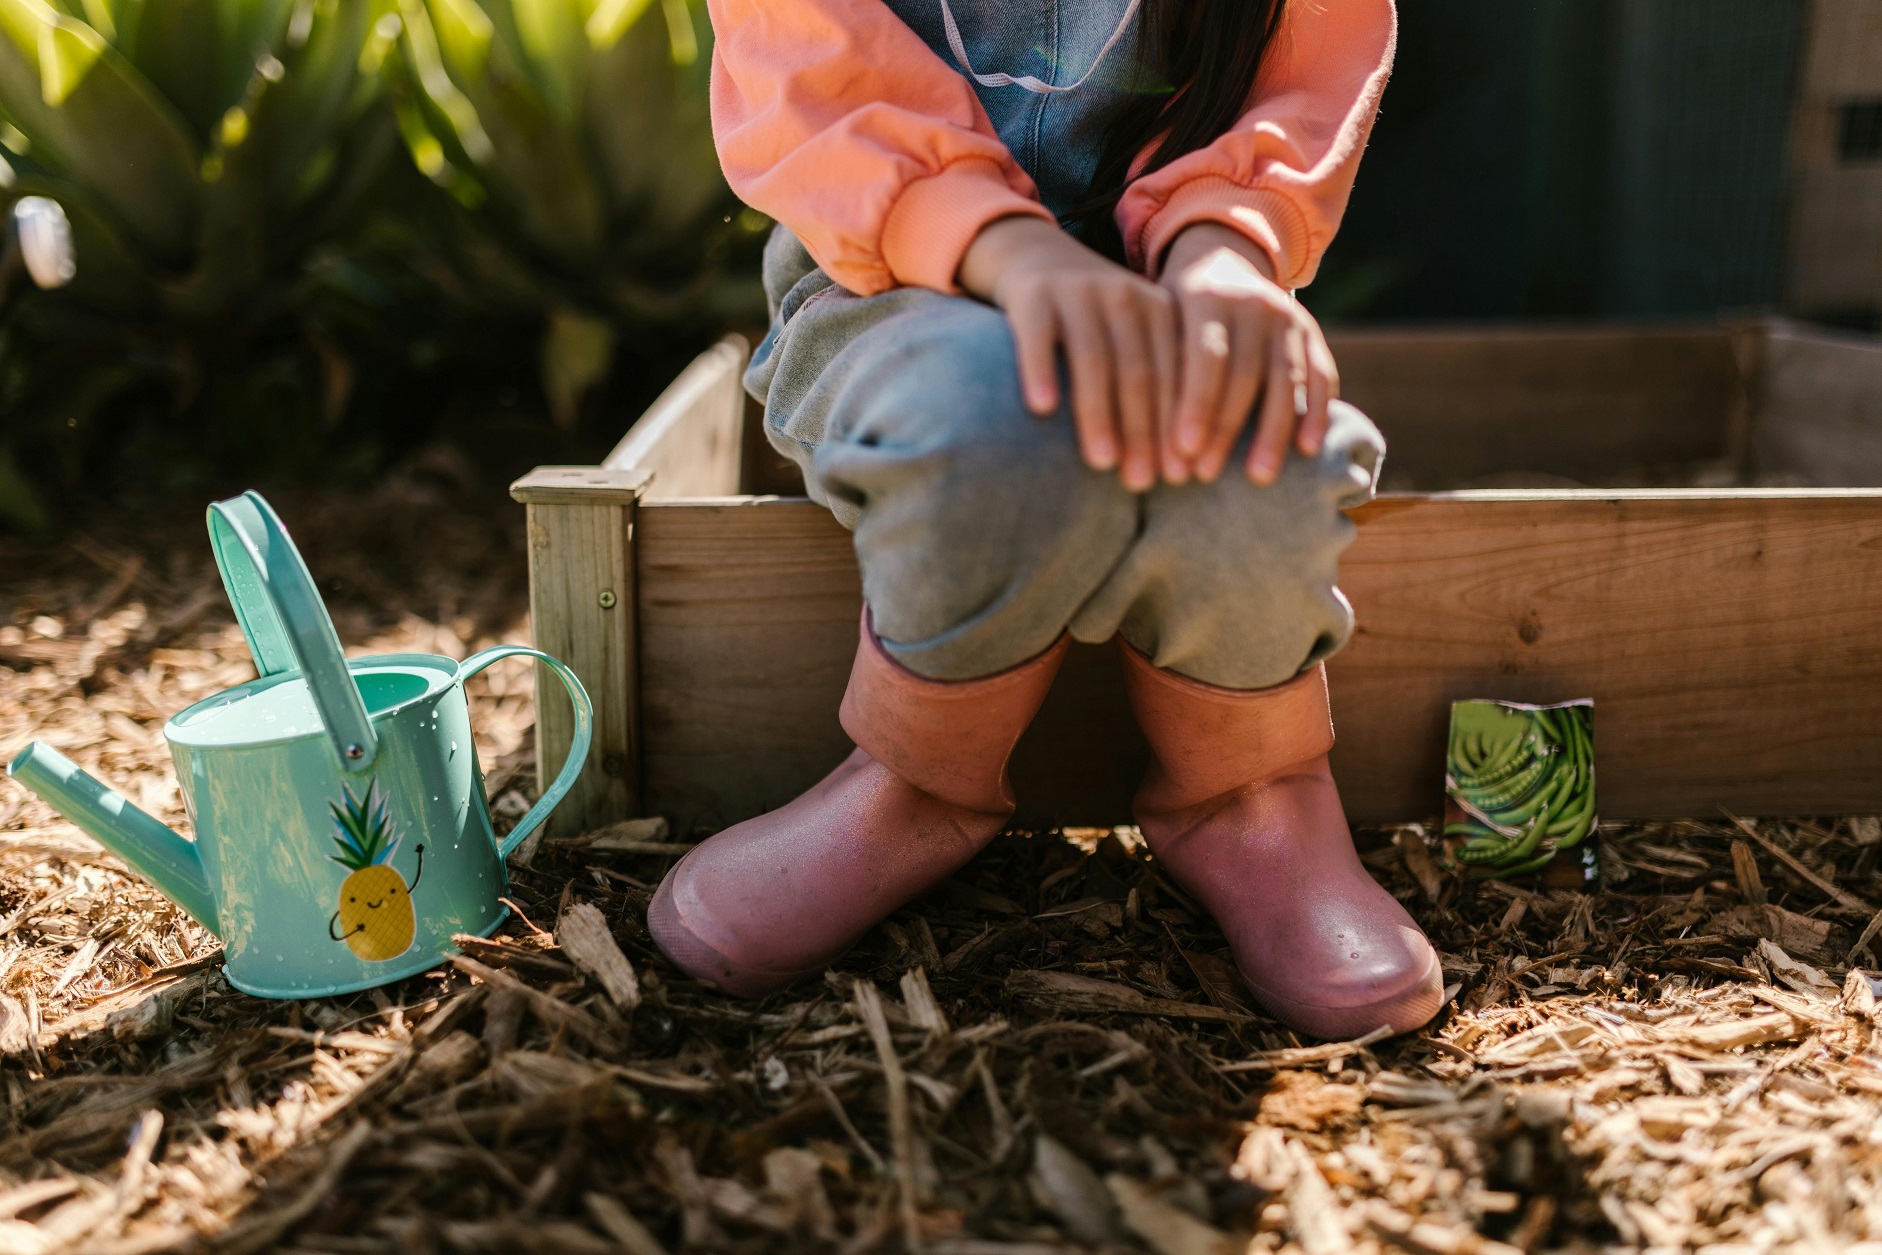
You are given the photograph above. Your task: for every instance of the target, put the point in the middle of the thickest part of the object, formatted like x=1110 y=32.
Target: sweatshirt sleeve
x=834 y=118
x=1283 y=173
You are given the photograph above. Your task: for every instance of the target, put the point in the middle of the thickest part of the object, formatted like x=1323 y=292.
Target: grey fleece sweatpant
x=982 y=534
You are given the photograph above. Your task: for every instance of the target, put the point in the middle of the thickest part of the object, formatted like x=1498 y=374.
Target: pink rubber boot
x=1240 y=808
x=777 y=898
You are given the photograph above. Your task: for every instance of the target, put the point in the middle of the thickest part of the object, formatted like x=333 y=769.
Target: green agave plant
x=199 y=147
x=1523 y=779
x=572 y=142
x=179 y=134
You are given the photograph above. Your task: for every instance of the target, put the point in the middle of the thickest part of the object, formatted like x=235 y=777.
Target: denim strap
x=1027 y=81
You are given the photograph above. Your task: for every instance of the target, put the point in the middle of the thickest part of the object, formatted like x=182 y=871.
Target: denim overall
x=981 y=533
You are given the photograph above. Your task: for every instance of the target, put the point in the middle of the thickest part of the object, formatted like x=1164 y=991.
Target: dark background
x=1568 y=159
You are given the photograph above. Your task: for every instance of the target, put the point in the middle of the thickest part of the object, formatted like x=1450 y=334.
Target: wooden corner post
x=583 y=605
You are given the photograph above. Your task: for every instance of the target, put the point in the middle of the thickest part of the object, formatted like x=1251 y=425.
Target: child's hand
x=1243 y=336
x=1117 y=328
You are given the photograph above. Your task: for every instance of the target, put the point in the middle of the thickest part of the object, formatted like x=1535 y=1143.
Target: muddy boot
x=777 y=898
x=1241 y=810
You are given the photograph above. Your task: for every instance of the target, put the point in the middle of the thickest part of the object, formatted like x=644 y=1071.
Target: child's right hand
x=1118 y=330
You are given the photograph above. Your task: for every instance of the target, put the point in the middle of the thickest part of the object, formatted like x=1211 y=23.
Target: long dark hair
x=1197 y=65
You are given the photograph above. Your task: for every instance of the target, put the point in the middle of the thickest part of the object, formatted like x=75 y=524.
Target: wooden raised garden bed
x=1730 y=635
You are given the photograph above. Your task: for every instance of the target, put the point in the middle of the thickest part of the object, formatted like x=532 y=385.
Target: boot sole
x=697 y=959
x=1403 y=1012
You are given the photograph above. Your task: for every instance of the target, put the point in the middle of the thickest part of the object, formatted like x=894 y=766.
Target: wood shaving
x=1050 y=1054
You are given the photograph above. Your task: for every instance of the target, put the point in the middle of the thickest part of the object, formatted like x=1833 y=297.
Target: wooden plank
x=748 y=614
x=767 y=472
x=1836 y=239
x=1732 y=642
x=579 y=485
x=1523 y=407
x=582 y=596
x=1081 y=760
x=1843 y=57
x=1819 y=412
x=1835 y=204
x=690 y=439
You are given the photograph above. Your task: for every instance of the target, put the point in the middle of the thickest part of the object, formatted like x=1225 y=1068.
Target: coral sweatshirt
x=835 y=118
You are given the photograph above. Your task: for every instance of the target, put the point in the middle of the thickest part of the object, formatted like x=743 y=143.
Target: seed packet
x=1519 y=790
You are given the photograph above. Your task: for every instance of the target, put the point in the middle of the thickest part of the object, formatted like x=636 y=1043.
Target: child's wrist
x=1200 y=239
x=996 y=245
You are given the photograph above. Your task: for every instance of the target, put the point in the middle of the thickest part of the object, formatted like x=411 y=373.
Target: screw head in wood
x=607 y=599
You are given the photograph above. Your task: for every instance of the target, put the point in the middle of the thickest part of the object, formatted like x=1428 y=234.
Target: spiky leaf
x=365 y=834
x=105 y=128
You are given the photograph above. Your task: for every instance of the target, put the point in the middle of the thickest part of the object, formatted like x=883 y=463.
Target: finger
x=1283 y=396
x=1205 y=368
x=1088 y=356
x=1136 y=398
x=1035 y=343
x=1322 y=387
x=1248 y=369
x=1166 y=357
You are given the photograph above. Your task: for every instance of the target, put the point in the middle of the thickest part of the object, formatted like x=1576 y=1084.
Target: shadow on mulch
x=1052 y=1052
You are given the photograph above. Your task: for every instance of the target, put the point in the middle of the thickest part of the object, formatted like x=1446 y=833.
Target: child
x=967 y=190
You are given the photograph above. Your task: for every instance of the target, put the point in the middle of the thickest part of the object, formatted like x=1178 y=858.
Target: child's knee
x=939 y=435
x=976 y=552
x=966 y=538
x=944 y=379
x=1352 y=454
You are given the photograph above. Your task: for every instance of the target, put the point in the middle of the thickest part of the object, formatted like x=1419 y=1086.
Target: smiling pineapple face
x=375 y=916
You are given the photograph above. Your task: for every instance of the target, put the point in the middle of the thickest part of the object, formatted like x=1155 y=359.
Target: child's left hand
x=1243 y=337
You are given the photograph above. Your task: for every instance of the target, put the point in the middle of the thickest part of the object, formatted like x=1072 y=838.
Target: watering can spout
x=158 y=854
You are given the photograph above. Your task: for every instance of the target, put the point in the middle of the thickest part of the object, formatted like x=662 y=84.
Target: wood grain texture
x=1080 y=761
x=1502 y=406
x=1819 y=412
x=578 y=553
x=579 y=485
x=690 y=440
x=748 y=613
x=1697 y=620
x=1732 y=642
x=1835 y=204
x=767 y=472
x=1843 y=59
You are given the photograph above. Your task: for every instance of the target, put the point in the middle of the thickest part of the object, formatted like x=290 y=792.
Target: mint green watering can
x=342 y=833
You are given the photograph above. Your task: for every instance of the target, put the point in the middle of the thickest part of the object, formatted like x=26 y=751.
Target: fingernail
x=1189 y=439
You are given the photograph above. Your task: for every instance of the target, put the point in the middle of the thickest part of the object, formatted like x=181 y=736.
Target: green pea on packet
x=1519 y=790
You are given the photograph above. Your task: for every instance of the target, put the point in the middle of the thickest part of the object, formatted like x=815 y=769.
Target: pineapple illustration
x=375 y=918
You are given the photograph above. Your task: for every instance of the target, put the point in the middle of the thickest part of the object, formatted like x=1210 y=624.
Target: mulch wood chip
x=1052 y=1054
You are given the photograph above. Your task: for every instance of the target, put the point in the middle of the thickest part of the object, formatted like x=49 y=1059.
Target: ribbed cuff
x=1267 y=218
x=934 y=220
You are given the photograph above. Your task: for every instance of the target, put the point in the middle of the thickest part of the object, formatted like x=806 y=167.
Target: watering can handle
x=578 y=745
x=285 y=621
